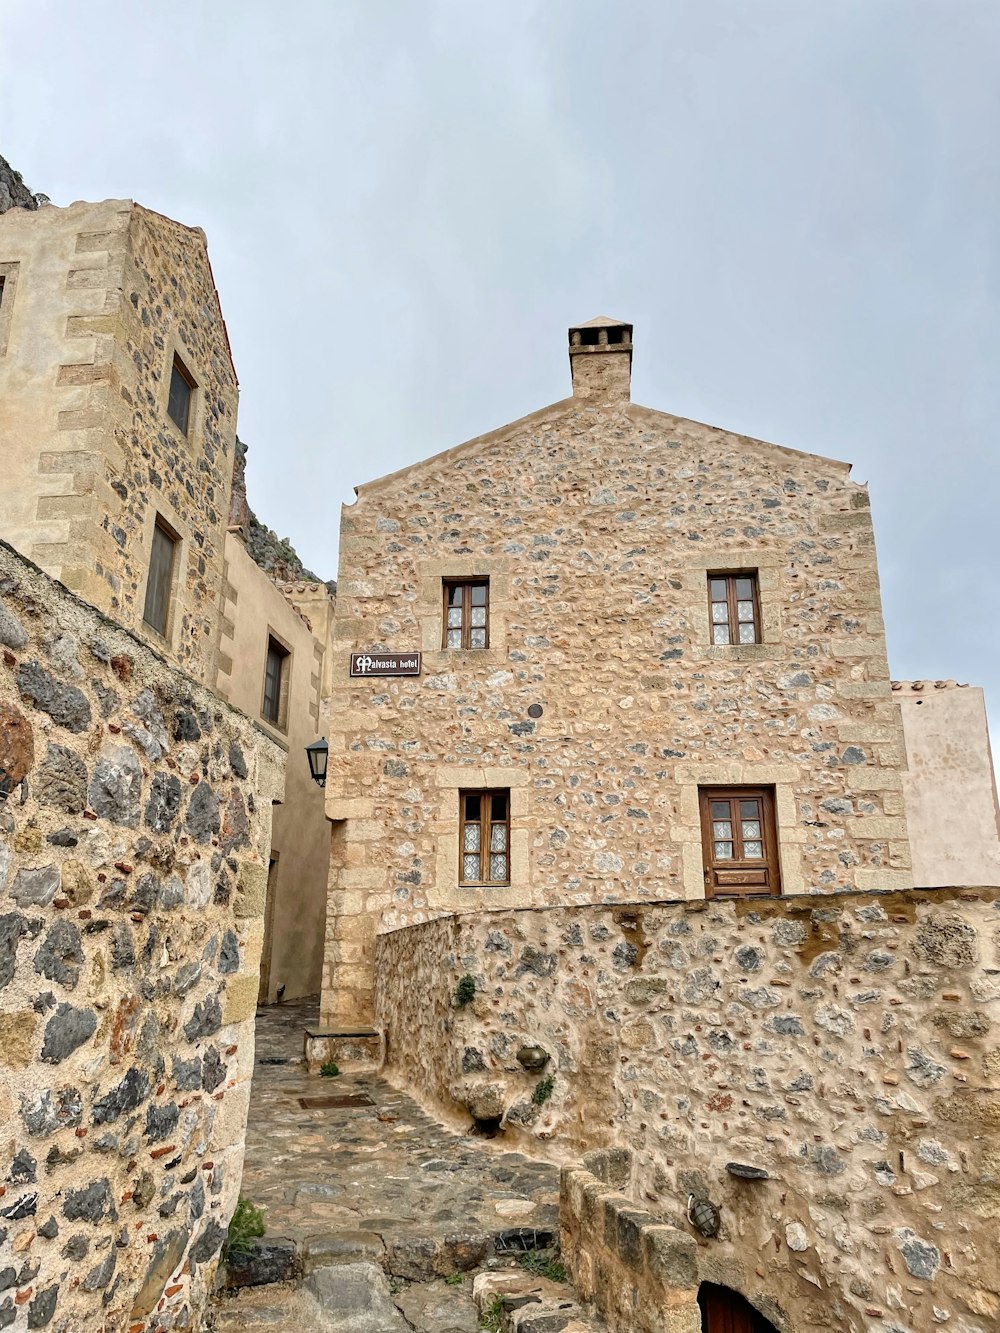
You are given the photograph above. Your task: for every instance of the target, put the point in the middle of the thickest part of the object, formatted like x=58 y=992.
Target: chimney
x=600 y=359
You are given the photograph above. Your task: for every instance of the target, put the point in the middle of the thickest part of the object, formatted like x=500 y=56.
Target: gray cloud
x=407 y=203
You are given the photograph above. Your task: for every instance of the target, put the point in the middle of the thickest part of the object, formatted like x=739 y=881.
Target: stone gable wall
x=99 y=298
x=596 y=523
x=847 y=1045
x=135 y=815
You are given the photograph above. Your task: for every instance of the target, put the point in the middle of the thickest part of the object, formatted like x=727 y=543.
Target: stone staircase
x=380 y=1220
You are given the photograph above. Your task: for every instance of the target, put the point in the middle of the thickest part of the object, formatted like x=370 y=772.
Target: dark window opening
x=274 y=706
x=726 y=1311
x=484 y=837
x=734 y=608
x=606 y=333
x=467 y=614
x=182 y=388
x=161 y=572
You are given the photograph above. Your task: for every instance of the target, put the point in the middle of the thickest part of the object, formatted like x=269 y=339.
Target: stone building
x=653 y=667
x=286 y=624
x=124 y=480
x=621 y=868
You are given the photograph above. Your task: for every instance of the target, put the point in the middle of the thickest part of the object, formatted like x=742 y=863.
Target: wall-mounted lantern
x=704 y=1216
x=317 y=754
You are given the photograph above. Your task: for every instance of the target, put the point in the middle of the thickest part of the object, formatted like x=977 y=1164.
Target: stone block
x=671 y=1257
x=17 y=1035
x=241 y=998
x=270 y=1260
x=251 y=890
x=342 y=1247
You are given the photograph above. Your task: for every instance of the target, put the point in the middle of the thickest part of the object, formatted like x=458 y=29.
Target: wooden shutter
x=156 y=610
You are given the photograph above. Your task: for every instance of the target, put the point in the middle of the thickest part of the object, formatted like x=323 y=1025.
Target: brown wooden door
x=739 y=841
x=725 y=1311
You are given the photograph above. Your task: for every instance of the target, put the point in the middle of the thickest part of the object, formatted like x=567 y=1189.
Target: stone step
x=413 y=1256
x=357 y=1050
x=519 y=1302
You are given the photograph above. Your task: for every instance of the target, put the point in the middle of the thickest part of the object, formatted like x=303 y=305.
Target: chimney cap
x=602 y=321
x=601 y=334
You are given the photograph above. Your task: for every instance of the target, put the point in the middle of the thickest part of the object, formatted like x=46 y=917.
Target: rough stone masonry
x=596 y=522
x=135 y=814
x=844 y=1047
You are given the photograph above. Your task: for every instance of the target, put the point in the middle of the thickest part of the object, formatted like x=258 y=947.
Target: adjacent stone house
x=652 y=666
x=124 y=480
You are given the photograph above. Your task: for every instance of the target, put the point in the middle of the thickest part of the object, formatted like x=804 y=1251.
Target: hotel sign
x=385 y=664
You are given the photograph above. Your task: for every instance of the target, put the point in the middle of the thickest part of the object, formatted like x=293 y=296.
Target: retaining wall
x=135 y=814
x=845 y=1045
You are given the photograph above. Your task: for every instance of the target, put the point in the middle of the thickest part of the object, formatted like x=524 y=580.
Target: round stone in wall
x=535 y=710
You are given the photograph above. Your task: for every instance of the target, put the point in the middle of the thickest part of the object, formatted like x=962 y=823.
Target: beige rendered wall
x=97 y=300
x=951 y=794
x=596 y=521
x=300 y=834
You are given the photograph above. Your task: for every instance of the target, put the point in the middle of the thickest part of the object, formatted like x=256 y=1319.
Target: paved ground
x=376 y=1183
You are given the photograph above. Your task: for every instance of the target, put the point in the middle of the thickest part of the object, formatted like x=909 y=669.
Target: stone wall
x=642 y=1274
x=846 y=1045
x=596 y=522
x=135 y=813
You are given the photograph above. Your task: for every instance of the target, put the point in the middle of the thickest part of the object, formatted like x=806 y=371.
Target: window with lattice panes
x=467 y=614
x=484 y=837
x=734 y=608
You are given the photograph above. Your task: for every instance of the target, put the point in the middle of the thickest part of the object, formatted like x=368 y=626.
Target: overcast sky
x=796 y=202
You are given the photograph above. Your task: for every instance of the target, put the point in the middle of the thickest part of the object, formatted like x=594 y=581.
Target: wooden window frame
x=161 y=525
x=733 y=621
x=280 y=718
x=466 y=585
x=178 y=367
x=771 y=860
x=486 y=824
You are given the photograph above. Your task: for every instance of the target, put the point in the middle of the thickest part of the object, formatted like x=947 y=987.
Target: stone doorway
x=726 y=1311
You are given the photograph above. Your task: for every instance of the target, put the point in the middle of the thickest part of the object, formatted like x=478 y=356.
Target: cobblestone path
x=375 y=1186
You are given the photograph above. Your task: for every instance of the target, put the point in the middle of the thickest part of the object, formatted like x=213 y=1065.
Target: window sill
x=450 y=658
x=162 y=641
x=743 y=652
x=278 y=734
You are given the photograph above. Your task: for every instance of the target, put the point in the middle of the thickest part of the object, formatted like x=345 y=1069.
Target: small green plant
x=542 y=1090
x=541 y=1263
x=329 y=1069
x=491 y=1319
x=465 y=991
x=247 y=1224
x=454 y=1279
x=395 y=1286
